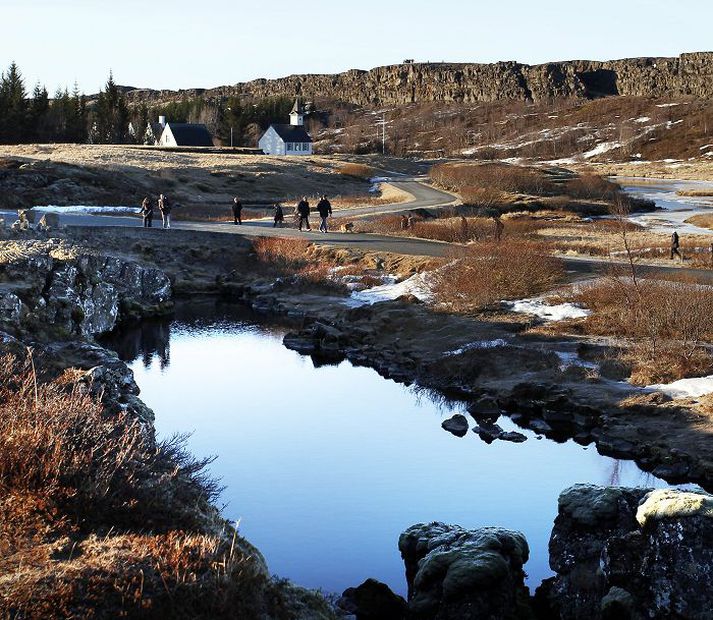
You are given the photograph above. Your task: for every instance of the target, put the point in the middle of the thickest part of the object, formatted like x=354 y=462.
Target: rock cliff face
x=686 y=75
x=632 y=553
x=51 y=285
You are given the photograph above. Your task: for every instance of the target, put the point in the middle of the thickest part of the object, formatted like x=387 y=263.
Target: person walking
x=675 y=243
x=237 y=211
x=324 y=208
x=164 y=206
x=303 y=212
x=499 y=227
x=279 y=215
x=147 y=212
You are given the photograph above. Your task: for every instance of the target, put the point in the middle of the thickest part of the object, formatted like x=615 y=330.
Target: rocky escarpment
x=631 y=553
x=55 y=296
x=686 y=75
x=52 y=287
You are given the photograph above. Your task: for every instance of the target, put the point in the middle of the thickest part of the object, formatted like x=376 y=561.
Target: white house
x=291 y=139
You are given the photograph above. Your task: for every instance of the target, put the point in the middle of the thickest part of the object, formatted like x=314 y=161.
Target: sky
x=180 y=44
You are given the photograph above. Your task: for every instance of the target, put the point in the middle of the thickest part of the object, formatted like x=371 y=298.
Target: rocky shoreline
x=615 y=551
x=520 y=378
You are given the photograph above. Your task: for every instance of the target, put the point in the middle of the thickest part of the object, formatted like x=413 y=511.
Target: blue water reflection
x=325 y=467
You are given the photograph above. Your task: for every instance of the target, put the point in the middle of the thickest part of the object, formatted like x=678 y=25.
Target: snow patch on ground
x=569 y=359
x=479 y=344
x=600 y=149
x=417 y=285
x=556 y=312
x=85 y=210
x=642 y=119
x=686 y=388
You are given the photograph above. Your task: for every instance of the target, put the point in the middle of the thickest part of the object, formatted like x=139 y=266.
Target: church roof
x=190 y=134
x=292 y=133
x=297 y=108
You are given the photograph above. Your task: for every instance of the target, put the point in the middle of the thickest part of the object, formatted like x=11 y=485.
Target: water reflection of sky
x=325 y=467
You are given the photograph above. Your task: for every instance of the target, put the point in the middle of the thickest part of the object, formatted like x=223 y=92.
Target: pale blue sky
x=180 y=44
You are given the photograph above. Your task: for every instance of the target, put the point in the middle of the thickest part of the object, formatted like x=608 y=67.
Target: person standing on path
x=147 y=212
x=324 y=208
x=675 y=242
x=164 y=205
x=499 y=227
x=303 y=212
x=237 y=211
x=279 y=215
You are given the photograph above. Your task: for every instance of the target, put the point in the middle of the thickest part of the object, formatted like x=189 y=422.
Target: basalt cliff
x=686 y=75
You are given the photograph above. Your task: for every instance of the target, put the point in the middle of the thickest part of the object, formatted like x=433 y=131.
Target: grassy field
x=121 y=175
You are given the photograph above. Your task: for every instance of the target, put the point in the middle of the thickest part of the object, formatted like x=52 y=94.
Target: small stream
x=325 y=466
x=674 y=209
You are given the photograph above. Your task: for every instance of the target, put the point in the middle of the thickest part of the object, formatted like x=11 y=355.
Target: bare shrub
x=592 y=187
x=485 y=273
x=669 y=323
x=493 y=177
x=282 y=253
x=359 y=171
x=297 y=261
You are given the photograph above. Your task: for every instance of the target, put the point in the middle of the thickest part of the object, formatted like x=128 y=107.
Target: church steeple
x=297 y=117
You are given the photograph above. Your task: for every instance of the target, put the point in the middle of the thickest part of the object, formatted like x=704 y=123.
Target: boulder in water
x=458 y=574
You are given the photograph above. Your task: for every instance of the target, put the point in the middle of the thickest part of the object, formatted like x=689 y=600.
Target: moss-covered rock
x=457 y=573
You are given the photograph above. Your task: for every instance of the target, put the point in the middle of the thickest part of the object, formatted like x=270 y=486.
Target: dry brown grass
x=592 y=187
x=213 y=213
x=298 y=263
x=486 y=273
x=359 y=171
x=669 y=325
x=492 y=177
x=97 y=520
x=695 y=193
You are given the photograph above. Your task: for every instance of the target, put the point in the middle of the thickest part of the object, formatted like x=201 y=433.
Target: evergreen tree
x=38 y=128
x=77 y=125
x=111 y=116
x=13 y=106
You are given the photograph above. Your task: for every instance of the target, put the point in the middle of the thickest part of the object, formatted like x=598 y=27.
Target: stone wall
x=686 y=75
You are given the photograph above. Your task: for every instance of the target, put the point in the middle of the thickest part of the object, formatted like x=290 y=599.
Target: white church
x=292 y=139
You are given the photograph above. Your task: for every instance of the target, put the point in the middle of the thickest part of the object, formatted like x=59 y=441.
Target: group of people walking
x=163 y=204
x=302 y=212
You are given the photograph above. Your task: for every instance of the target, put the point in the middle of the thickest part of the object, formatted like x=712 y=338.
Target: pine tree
x=37 y=118
x=111 y=117
x=13 y=106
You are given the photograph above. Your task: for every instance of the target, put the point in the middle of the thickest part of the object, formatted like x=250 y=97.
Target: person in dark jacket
x=303 y=212
x=237 y=211
x=675 y=242
x=164 y=206
x=279 y=215
x=147 y=212
x=324 y=208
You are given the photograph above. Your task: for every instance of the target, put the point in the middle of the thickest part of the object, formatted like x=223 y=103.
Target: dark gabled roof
x=156 y=129
x=292 y=133
x=190 y=134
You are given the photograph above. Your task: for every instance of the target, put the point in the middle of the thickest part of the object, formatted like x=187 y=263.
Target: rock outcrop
x=373 y=600
x=459 y=574
x=631 y=553
x=685 y=75
x=50 y=285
